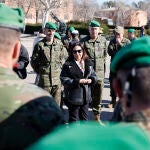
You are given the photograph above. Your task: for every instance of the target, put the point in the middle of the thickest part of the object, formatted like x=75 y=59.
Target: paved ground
x=106 y=114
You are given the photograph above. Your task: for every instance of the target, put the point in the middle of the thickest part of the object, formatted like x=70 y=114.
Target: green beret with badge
x=135 y=54
x=94 y=23
x=57 y=35
x=51 y=25
x=12 y=18
x=131 y=30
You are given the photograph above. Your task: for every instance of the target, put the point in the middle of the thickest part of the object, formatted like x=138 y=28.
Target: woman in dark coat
x=77 y=76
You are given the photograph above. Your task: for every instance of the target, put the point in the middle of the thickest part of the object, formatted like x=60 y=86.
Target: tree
x=24 y=4
x=84 y=10
x=49 y=5
x=108 y=4
x=138 y=5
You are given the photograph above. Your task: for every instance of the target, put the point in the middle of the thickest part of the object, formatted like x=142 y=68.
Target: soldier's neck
x=146 y=117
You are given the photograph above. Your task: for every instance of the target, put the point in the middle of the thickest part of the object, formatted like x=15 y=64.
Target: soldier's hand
x=96 y=117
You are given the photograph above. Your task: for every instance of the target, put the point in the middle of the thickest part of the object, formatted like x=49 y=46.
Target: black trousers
x=77 y=112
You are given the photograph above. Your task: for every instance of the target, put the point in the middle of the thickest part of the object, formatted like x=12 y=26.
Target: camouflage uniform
x=66 y=40
x=47 y=60
x=113 y=48
x=96 y=51
x=26 y=113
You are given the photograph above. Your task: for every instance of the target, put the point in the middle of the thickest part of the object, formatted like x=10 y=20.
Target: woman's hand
x=85 y=81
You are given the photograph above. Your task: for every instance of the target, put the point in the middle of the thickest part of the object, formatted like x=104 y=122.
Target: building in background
x=34 y=11
x=123 y=16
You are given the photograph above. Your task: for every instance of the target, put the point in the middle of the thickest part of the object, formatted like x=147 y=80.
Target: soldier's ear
x=16 y=51
x=117 y=85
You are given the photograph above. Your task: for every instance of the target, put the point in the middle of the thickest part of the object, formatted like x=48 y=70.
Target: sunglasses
x=77 y=51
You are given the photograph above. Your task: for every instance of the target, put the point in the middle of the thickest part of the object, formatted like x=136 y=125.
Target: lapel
x=75 y=70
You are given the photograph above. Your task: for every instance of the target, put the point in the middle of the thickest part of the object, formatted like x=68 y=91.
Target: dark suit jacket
x=74 y=92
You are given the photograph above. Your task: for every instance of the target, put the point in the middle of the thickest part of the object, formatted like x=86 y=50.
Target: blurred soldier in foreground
x=22 y=63
x=26 y=111
x=131 y=34
x=95 y=46
x=48 y=56
x=131 y=66
x=114 y=46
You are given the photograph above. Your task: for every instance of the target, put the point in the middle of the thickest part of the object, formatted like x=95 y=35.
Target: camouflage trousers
x=112 y=92
x=55 y=91
x=97 y=90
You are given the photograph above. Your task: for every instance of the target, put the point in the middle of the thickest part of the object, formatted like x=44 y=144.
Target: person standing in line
x=23 y=61
x=57 y=35
x=27 y=112
x=48 y=56
x=66 y=39
x=142 y=31
x=131 y=34
x=77 y=77
x=95 y=46
x=114 y=46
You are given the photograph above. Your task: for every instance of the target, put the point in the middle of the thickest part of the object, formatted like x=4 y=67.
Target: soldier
x=95 y=46
x=57 y=35
x=26 y=111
x=131 y=67
x=48 y=56
x=131 y=34
x=67 y=39
x=114 y=46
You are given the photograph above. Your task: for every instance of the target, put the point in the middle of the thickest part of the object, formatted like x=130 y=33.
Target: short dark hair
x=140 y=83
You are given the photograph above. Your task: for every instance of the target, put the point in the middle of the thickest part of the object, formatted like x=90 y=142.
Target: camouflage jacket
x=26 y=113
x=66 y=40
x=47 y=60
x=96 y=51
x=114 y=47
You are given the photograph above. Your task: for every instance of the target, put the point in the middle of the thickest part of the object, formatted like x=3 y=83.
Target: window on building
x=65 y=4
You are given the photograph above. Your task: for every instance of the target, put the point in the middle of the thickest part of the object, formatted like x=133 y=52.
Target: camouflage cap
x=119 y=29
x=94 y=23
x=131 y=30
x=12 y=18
x=71 y=29
x=135 y=54
x=51 y=25
x=57 y=35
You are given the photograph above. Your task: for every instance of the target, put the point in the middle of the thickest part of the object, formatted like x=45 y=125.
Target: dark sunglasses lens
x=77 y=51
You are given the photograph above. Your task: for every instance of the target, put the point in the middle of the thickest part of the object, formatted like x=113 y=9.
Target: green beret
x=51 y=25
x=71 y=29
x=12 y=18
x=135 y=54
x=57 y=35
x=92 y=136
x=131 y=30
x=94 y=23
